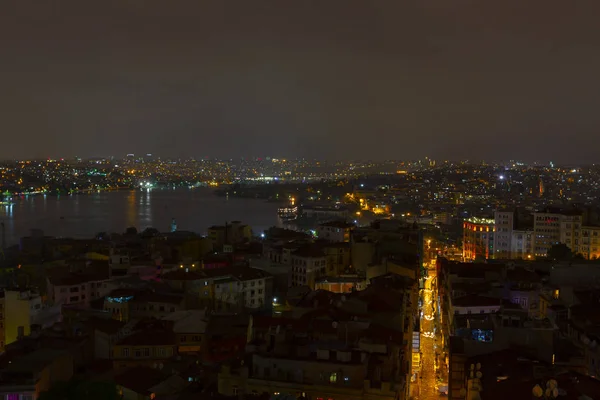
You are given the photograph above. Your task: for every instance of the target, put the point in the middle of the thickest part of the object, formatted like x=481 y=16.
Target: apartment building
x=226 y=288
x=363 y=352
x=335 y=231
x=242 y=287
x=504 y=224
x=522 y=244
x=590 y=242
x=16 y=314
x=553 y=226
x=308 y=264
x=78 y=286
x=128 y=304
x=150 y=344
x=230 y=233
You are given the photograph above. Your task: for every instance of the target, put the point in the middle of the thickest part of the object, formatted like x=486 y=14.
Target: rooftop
x=35 y=361
x=140 y=379
x=473 y=300
x=337 y=224
x=480 y=221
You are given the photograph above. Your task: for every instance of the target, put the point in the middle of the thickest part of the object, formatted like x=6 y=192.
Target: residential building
x=553 y=226
x=590 y=242
x=338 y=257
x=78 y=287
x=478 y=239
x=570 y=230
x=242 y=287
x=189 y=327
x=504 y=224
x=146 y=383
x=335 y=231
x=522 y=244
x=230 y=233
x=222 y=288
x=26 y=376
x=308 y=264
x=355 y=346
x=150 y=344
x=16 y=311
x=105 y=333
x=127 y=304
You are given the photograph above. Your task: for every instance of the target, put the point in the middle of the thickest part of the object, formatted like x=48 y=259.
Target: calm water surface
x=84 y=215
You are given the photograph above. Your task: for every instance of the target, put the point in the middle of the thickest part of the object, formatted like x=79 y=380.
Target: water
x=84 y=215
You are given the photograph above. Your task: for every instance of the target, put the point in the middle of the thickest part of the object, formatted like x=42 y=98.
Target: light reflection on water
x=84 y=215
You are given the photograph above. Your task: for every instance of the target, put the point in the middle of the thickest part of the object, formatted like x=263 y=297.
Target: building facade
x=522 y=244
x=504 y=224
x=478 y=239
x=590 y=242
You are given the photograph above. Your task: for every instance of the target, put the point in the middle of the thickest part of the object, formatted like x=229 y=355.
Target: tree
x=150 y=232
x=78 y=389
x=560 y=252
x=95 y=390
x=132 y=231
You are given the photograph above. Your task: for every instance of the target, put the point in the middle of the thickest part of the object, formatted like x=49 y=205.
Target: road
x=428 y=382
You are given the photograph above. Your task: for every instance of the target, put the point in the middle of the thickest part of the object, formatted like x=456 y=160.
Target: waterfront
x=84 y=215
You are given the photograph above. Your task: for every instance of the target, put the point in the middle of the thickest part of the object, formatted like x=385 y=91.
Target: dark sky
x=478 y=79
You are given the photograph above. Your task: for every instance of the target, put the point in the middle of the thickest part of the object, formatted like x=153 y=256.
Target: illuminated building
x=478 y=238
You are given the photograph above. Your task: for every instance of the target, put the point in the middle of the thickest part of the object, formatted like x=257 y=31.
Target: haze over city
x=337 y=79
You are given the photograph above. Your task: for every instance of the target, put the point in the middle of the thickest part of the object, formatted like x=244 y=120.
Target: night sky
x=347 y=79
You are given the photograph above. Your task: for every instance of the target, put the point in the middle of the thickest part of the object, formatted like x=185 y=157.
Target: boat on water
x=288 y=213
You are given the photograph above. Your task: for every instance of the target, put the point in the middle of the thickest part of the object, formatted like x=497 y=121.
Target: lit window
x=333 y=378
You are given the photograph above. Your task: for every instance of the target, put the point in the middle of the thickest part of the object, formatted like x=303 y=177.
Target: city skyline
x=333 y=80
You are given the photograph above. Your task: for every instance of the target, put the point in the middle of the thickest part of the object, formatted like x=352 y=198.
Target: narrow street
x=428 y=380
